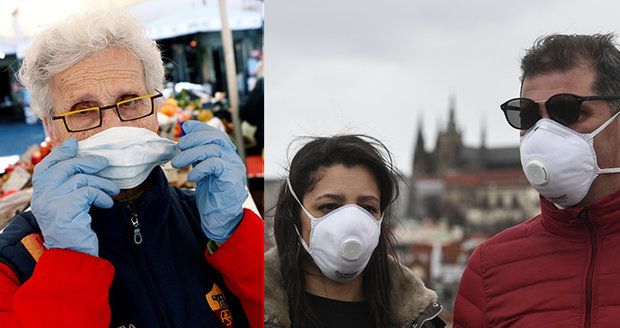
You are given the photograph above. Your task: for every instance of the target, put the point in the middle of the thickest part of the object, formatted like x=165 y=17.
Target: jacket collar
x=152 y=208
x=603 y=214
x=410 y=297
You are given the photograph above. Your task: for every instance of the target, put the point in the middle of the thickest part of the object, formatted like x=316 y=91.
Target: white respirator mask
x=132 y=153
x=560 y=163
x=342 y=241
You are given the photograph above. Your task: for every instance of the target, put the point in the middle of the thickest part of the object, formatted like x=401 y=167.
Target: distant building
x=470 y=186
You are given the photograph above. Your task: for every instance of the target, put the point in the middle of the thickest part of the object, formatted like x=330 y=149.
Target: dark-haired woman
x=331 y=266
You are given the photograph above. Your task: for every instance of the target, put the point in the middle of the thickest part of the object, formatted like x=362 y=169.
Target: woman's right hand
x=64 y=188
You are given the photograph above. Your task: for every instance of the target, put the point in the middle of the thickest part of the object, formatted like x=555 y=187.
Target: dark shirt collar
x=152 y=208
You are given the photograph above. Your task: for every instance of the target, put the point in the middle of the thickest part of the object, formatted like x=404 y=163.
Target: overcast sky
x=379 y=67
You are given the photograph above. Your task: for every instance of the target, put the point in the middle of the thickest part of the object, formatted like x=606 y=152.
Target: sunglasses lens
x=521 y=113
x=563 y=108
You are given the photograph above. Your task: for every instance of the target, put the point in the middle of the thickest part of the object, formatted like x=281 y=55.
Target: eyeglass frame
x=101 y=109
x=579 y=99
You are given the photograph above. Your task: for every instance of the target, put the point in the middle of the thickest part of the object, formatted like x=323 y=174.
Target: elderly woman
x=108 y=242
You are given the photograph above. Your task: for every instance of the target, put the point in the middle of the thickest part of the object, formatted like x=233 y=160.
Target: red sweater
x=70 y=289
x=558 y=269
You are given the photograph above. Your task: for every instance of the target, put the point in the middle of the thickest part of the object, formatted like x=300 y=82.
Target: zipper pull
x=137 y=236
x=583 y=214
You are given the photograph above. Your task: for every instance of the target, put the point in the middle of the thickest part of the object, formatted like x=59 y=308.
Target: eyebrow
x=88 y=96
x=341 y=198
x=332 y=196
x=81 y=98
x=368 y=197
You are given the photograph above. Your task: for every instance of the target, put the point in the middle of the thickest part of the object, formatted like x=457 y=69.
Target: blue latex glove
x=63 y=191
x=219 y=174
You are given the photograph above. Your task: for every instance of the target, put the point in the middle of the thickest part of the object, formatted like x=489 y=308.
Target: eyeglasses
x=91 y=118
x=564 y=108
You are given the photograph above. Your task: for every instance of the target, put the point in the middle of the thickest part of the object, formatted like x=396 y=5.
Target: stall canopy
x=21 y=19
x=187 y=17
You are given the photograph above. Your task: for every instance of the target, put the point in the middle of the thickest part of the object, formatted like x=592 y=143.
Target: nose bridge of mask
x=117 y=133
x=142 y=142
x=557 y=128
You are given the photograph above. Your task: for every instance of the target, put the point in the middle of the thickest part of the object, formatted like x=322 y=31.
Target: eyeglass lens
x=523 y=113
x=127 y=110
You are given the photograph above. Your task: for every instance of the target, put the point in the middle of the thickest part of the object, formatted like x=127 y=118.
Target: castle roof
x=505 y=177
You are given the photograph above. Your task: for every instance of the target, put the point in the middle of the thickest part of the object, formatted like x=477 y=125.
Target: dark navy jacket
x=157 y=248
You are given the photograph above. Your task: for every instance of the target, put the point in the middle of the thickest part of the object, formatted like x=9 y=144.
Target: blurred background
x=426 y=77
x=213 y=55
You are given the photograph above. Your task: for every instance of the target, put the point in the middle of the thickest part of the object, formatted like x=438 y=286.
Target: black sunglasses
x=564 y=108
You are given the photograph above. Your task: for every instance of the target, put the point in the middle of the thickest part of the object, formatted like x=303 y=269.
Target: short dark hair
x=560 y=53
x=304 y=172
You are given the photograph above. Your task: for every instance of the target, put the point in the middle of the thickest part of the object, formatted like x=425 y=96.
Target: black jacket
x=157 y=249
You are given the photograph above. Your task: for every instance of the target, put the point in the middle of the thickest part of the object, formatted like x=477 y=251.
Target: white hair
x=77 y=37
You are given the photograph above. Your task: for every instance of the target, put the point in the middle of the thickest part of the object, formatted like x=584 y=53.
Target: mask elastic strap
x=290 y=188
x=597 y=131
x=303 y=242
x=610 y=170
x=602 y=127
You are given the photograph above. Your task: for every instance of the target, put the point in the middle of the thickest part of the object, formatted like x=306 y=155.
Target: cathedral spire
x=419 y=144
x=483 y=133
x=420 y=156
x=451 y=119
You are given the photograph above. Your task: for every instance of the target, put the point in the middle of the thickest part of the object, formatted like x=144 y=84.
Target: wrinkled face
x=593 y=114
x=102 y=79
x=338 y=186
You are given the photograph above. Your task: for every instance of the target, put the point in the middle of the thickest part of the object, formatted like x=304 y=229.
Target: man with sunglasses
x=560 y=268
x=108 y=243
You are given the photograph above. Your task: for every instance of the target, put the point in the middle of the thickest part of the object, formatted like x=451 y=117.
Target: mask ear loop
x=595 y=133
x=290 y=188
x=603 y=126
x=312 y=218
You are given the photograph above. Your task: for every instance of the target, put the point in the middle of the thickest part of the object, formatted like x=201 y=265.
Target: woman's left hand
x=220 y=177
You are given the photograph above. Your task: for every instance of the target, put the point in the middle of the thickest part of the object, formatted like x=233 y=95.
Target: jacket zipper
x=139 y=257
x=137 y=236
x=592 y=234
x=427 y=317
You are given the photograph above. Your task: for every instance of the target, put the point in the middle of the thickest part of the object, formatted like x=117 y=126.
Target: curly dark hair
x=560 y=53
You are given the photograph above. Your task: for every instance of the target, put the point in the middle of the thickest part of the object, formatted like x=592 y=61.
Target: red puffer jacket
x=558 y=269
